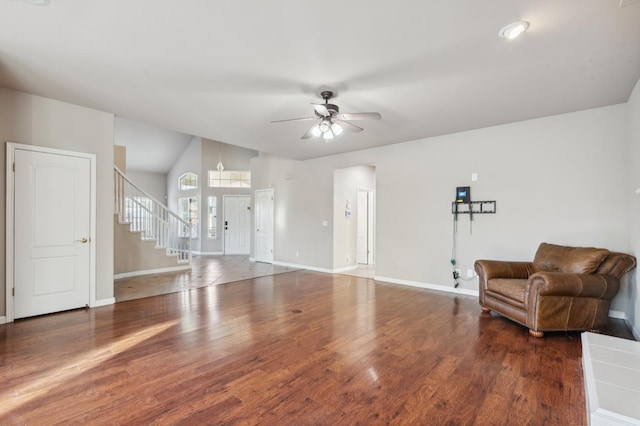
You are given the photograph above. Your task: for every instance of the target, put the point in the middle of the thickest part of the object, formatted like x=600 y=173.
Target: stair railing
x=151 y=218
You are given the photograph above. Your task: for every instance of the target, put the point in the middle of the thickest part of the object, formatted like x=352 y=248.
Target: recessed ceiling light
x=513 y=30
x=38 y=2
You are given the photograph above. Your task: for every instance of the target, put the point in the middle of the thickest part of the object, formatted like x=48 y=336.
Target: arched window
x=188 y=181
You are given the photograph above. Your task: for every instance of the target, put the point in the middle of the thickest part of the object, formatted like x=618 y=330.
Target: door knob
x=83 y=240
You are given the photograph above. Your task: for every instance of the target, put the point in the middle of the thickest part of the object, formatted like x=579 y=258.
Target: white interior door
x=264 y=225
x=52 y=230
x=237 y=224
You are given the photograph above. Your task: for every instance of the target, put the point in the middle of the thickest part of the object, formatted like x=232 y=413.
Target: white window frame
x=191 y=180
x=191 y=215
x=229 y=179
x=212 y=217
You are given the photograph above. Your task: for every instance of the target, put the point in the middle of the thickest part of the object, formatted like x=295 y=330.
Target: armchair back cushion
x=568 y=260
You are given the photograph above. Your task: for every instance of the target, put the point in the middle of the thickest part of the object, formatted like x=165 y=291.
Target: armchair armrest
x=573 y=285
x=487 y=269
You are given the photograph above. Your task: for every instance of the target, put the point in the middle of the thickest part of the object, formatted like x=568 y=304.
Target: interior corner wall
x=270 y=172
x=303 y=209
x=633 y=195
x=346 y=183
x=189 y=161
x=33 y=120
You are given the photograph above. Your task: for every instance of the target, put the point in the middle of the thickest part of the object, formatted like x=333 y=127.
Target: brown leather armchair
x=564 y=288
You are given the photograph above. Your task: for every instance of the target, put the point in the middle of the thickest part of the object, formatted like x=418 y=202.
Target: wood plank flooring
x=299 y=348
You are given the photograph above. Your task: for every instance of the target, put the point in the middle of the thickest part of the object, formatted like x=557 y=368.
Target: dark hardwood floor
x=296 y=348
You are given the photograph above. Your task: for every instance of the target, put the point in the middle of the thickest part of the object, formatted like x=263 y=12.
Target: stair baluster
x=151 y=218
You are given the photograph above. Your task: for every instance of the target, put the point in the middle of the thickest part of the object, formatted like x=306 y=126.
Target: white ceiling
x=224 y=69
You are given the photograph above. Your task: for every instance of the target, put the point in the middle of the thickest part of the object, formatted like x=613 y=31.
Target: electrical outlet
x=470 y=273
x=348 y=259
x=297 y=253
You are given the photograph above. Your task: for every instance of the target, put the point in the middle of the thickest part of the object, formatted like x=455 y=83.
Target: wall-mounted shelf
x=474 y=207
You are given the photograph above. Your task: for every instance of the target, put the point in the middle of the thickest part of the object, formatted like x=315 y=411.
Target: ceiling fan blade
x=321 y=109
x=349 y=126
x=359 y=116
x=309 y=133
x=295 y=119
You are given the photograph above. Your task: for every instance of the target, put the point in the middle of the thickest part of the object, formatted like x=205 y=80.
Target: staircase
x=149 y=238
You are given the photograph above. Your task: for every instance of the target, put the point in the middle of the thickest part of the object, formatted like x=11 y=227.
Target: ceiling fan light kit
x=513 y=30
x=332 y=122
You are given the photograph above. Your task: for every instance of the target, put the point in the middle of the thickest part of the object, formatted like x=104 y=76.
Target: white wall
x=34 y=120
x=633 y=296
x=560 y=179
x=154 y=184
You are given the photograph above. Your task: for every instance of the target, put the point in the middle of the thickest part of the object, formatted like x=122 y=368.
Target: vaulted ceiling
x=225 y=69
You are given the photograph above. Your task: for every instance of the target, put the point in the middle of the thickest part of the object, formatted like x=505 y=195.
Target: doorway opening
x=354 y=220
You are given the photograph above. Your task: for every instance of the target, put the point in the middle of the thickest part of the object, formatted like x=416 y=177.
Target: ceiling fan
x=332 y=121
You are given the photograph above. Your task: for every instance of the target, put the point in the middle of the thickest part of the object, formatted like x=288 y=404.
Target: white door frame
x=10 y=222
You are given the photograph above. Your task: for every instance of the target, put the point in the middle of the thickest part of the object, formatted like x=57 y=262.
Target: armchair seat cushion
x=510 y=288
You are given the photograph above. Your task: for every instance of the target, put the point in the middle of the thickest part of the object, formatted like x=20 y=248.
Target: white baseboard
x=151 y=271
x=437 y=287
x=104 y=302
x=208 y=253
x=345 y=269
x=618 y=315
x=3 y=320
x=297 y=266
